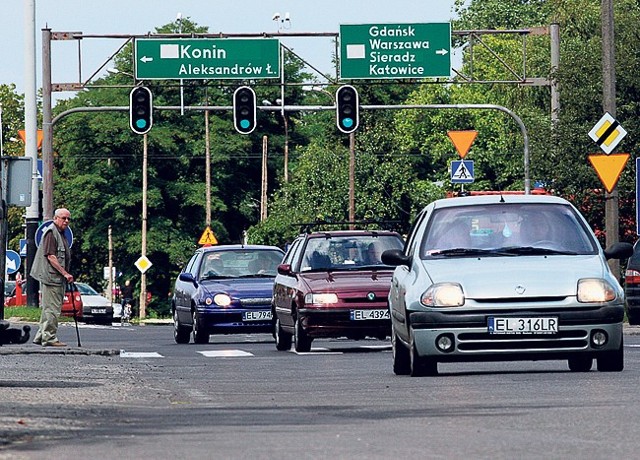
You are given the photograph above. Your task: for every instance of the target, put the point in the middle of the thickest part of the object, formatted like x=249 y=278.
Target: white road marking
x=225 y=353
x=140 y=354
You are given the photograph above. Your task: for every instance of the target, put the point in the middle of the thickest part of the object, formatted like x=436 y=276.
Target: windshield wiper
x=464 y=252
x=531 y=250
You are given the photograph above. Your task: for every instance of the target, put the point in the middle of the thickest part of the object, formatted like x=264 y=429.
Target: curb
x=39 y=350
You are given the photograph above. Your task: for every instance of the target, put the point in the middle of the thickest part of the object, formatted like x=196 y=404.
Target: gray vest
x=42 y=270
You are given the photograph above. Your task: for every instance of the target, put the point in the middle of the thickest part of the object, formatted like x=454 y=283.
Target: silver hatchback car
x=504 y=277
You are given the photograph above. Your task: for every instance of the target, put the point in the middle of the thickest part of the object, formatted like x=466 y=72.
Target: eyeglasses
x=64 y=218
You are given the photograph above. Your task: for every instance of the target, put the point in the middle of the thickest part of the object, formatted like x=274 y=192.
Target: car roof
x=497 y=198
x=348 y=233
x=235 y=247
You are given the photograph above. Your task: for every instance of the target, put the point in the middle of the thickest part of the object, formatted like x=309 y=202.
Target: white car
x=95 y=307
x=504 y=277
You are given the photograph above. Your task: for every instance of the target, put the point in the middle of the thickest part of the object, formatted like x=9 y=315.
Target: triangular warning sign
x=609 y=167
x=462 y=140
x=208 y=238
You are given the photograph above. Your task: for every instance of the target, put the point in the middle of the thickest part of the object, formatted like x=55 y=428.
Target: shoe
x=37 y=342
x=55 y=344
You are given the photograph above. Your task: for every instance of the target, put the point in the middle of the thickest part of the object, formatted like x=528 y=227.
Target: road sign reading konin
x=395 y=50
x=206 y=58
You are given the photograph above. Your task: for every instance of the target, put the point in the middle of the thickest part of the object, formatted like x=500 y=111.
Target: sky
x=111 y=17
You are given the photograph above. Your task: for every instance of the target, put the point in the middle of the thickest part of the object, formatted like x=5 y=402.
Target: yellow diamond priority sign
x=607 y=133
x=143 y=264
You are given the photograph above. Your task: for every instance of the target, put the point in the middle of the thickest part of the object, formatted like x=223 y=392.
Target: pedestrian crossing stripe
x=140 y=354
x=225 y=353
x=207 y=238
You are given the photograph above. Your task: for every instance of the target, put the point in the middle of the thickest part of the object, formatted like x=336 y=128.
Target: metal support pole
x=31 y=144
x=143 y=251
x=352 y=179
x=110 y=284
x=47 y=128
x=207 y=153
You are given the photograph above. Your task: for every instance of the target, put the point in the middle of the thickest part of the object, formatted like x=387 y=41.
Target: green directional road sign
x=206 y=58
x=395 y=50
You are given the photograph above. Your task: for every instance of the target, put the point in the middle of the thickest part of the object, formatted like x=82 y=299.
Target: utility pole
x=143 y=277
x=612 y=228
x=263 y=182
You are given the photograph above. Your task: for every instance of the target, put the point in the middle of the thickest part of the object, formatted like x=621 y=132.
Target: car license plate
x=256 y=315
x=98 y=310
x=546 y=325
x=359 y=315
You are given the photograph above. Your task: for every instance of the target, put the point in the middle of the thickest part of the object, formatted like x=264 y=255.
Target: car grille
x=473 y=342
x=255 y=301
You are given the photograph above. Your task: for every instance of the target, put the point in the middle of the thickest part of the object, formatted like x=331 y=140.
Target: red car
x=68 y=303
x=333 y=284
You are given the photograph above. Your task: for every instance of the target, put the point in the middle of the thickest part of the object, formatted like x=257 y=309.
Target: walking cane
x=75 y=314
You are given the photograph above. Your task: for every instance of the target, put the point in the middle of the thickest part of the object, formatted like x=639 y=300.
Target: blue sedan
x=225 y=290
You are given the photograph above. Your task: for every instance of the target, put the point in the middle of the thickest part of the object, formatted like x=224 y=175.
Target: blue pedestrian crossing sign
x=462 y=172
x=12 y=262
x=23 y=247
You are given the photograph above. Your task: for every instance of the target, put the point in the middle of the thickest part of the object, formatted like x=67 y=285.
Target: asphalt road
x=131 y=392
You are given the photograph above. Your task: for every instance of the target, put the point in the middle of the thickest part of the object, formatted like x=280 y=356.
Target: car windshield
x=240 y=263
x=352 y=252
x=504 y=229
x=85 y=289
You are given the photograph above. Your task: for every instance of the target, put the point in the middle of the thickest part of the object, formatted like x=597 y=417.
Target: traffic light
x=140 y=110
x=347 y=108
x=244 y=110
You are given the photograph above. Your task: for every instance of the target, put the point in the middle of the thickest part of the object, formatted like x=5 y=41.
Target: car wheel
x=421 y=366
x=401 y=358
x=181 y=334
x=302 y=340
x=283 y=339
x=612 y=361
x=200 y=335
x=580 y=363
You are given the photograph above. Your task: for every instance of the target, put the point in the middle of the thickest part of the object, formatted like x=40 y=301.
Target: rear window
x=347 y=252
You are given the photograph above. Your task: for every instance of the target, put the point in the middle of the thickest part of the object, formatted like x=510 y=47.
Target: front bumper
x=472 y=341
x=334 y=323
x=229 y=321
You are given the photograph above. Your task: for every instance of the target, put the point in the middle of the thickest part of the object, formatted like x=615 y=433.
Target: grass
x=31 y=314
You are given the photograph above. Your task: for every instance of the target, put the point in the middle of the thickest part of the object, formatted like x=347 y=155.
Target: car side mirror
x=619 y=251
x=395 y=257
x=284 y=269
x=188 y=278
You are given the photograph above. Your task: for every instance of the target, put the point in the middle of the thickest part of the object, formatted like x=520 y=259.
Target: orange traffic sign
x=208 y=238
x=462 y=140
x=22 y=134
x=609 y=167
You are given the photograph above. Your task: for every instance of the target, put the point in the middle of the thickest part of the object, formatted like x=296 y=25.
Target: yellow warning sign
x=609 y=167
x=462 y=140
x=208 y=238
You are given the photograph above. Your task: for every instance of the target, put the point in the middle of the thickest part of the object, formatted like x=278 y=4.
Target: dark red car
x=68 y=303
x=333 y=284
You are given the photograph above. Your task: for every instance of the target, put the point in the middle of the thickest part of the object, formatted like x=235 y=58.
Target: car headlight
x=595 y=290
x=443 y=295
x=222 y=300
x=321 y=298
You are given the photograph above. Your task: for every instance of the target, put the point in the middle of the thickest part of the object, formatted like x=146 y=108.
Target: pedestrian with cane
x=51 y=267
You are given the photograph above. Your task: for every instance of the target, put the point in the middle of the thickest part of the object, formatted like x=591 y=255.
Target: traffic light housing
x=140 y=110
x=244 y=110
x=347 y=109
